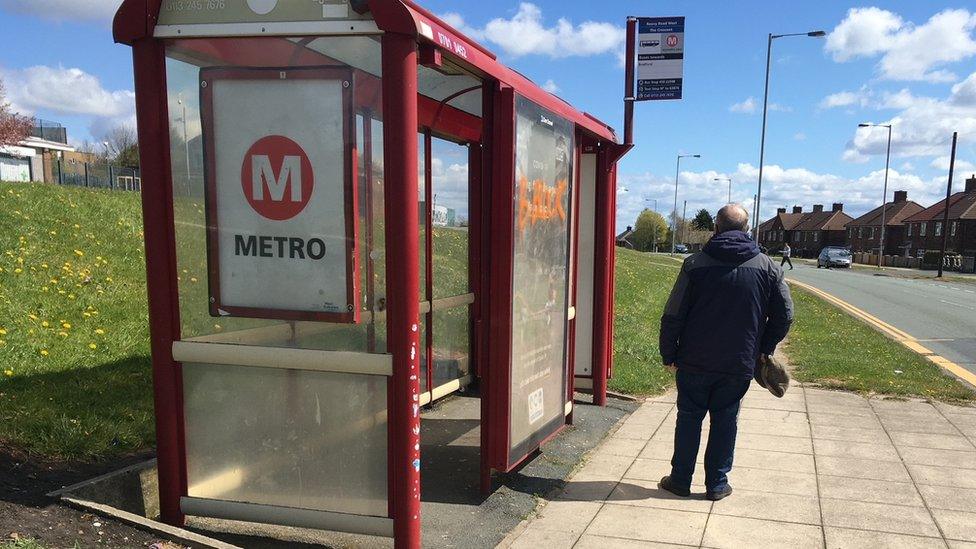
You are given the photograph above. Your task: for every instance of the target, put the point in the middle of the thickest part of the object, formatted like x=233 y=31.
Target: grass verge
x=74 y=342
x=836 y=350
x=643 y=284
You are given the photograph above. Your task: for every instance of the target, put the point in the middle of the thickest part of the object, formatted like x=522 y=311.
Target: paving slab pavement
x=816 y=468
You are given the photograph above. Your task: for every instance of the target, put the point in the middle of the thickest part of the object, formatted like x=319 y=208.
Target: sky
x=907 y=63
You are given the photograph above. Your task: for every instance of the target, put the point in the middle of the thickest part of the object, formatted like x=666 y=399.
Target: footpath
x=816 y=468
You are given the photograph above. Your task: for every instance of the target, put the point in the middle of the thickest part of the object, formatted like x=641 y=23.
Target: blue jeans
x=719 y=395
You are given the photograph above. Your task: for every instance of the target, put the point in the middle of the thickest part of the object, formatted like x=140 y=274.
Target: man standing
x=786 y=255
x=729 y=305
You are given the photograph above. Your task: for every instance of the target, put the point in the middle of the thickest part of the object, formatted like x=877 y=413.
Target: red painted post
x=403 y=274
x=603 y=276
x=164 y=313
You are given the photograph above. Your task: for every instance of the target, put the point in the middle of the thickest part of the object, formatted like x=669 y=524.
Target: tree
x=123 y=146
x=650 y=229
x=703 y=221
x=14 y=127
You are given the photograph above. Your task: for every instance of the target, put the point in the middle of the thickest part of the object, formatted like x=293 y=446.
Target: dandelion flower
x=44 y=352
x=32 y=317
x=194 y=280
x=3 y=332
x=108 y=279
x=92 y=346
x=45 y=324
x=66 y=325
x=18 y=270
x=79 y=253
x=86 y=314
x=63 y=334
x=100 y=331
x=8 y=372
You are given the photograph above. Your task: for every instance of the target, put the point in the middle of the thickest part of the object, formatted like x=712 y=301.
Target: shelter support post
x=160 y=242
x=603 y=275
x=403 y=268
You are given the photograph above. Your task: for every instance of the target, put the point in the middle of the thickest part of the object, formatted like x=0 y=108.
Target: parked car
x=681 y=248
x=833 y=256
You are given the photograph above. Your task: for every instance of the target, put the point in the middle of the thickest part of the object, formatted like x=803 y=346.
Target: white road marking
x=957 y=305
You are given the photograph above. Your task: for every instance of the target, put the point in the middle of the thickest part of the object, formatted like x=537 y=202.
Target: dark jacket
x=729 y=305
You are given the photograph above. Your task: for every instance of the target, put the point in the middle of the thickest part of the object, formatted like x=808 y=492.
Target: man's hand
x=673 y=368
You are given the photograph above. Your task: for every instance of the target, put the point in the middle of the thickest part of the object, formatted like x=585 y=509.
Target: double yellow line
x=900 y=336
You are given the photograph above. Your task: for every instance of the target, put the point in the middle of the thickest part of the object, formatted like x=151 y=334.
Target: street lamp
x=674 y=216
x=186 y=142
x=762 y=140
x=729 y=179
x=884 y=194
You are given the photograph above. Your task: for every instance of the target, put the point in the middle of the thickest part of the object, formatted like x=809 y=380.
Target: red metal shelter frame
x=411 y=35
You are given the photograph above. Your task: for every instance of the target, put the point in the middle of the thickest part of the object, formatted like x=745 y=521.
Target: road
x=941 y=315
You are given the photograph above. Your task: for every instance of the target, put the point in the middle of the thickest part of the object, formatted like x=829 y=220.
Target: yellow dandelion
x=194 y=280
x=45 y=289
x=86 y=314
x=3 y=332
x=32 y=317
x=71 y=296
x=100 y=331
x=77 y=226
x=63 y=334
x=79 y=253
x=8 y=372
x=109 y=279
x=92 y=346
x=66 y=325
x=18 y=270
x=45 y=324
x=44 y=352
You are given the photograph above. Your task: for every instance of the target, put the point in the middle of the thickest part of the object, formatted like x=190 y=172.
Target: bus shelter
x=352 y=210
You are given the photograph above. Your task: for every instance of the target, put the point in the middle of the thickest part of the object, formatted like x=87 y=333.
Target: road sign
x=660 y=57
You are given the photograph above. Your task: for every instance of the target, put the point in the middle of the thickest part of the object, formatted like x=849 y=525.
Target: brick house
x=864 y=233
x=924 y=229
x=818 y=229
x=774 y=232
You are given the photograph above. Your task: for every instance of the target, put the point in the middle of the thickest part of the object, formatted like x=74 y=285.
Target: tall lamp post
x=762 y=140
x=674 y=214
x=884 y=193
x=729 y=179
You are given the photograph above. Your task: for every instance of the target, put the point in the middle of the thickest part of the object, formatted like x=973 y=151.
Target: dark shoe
x=721 y=494
x=666 y=484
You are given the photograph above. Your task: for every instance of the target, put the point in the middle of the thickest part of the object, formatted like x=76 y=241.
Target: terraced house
x=864 y=233
x=806 y=232
x=924 y=230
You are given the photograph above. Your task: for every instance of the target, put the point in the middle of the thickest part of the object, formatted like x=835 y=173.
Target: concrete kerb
x=135 y=483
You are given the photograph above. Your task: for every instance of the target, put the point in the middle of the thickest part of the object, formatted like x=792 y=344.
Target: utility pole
x=945 y=213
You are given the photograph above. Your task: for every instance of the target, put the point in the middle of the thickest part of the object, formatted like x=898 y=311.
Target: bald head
x=732 y=217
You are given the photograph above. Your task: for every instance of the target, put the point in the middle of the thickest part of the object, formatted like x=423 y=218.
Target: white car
x=832 y=256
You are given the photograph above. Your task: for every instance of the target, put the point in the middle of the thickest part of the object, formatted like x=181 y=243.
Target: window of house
x=796 y=236
x=952 y=231
x=860 y=232
x=871 y=234
x=938 y=228
x=816 y=236
x=921 y=229
x=909 y=225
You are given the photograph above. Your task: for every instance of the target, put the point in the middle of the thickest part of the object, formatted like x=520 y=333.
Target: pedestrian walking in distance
x=728 y=308
x=786 y=256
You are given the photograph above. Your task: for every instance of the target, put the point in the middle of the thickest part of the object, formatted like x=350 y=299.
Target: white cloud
x=941 y=163
x=69 y=91
x=526 y=34
x=747 y=106
x=908 y=51
x=922 y=126
x=64 y=10
x=551 y=86
x=844 y=99
x=800 y=136
x=782 y=187
x=750 y=106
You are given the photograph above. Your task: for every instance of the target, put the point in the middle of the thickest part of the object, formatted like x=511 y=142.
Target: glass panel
x=452 y=344
x=310 y=440
x=186 y=60
x=544 y=152
x=439 y=86
x=449 y=173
